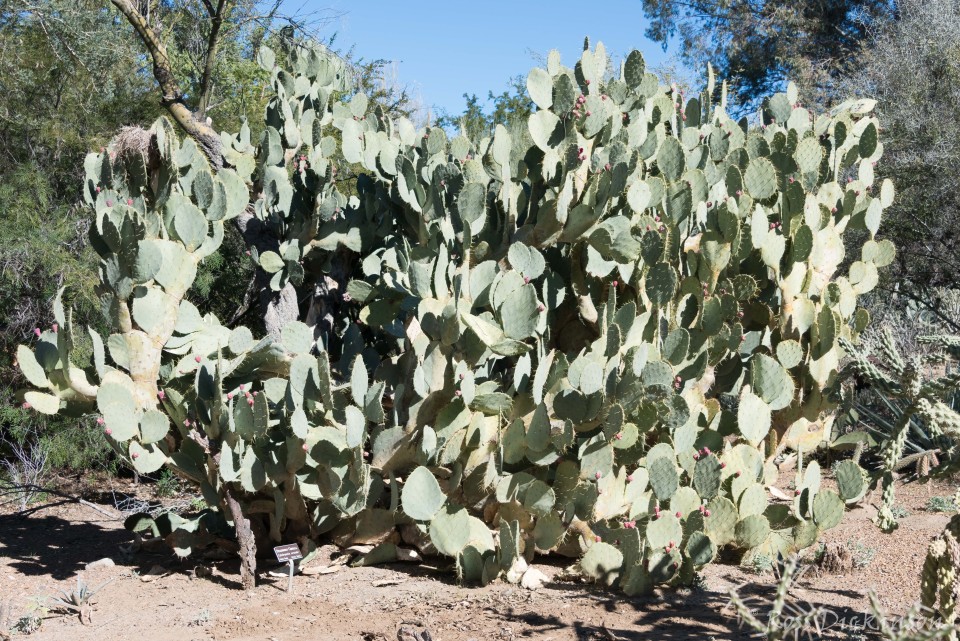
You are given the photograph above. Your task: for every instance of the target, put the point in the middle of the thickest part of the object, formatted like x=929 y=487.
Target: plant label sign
x=288 y=552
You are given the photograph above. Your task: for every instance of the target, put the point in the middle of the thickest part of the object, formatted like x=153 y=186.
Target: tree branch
x=210 y=57
x=172 y=97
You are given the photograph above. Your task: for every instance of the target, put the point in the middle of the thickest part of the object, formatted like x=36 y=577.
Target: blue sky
x=446 y=49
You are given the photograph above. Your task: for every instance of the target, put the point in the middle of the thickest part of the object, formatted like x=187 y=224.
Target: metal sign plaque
x=288 y=552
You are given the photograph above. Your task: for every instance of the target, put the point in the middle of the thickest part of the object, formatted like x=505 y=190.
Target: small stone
x=106 y=562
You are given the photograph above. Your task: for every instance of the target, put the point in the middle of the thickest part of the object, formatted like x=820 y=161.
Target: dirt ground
x=42 y=553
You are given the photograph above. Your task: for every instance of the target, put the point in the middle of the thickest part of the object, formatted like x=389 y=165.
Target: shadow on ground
x=49 y=545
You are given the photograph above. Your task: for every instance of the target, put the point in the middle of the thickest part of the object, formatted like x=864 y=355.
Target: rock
x=516 y=572
x=403 y=554
x=533 y=579
x=155 y=573
x=106 y=562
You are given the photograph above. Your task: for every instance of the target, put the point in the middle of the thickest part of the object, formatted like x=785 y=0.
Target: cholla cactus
x=903 y=380
x=939 y=580
x=589 y=331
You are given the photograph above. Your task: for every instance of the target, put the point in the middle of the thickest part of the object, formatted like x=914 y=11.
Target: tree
x=912 y=69
x=760 y=44
x=475 y=123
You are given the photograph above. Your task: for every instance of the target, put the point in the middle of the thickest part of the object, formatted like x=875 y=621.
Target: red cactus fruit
x=36 y=331
x=108 y=431
x=99 y=420
x=305 y=448
x=540 y=307
x=55 y=328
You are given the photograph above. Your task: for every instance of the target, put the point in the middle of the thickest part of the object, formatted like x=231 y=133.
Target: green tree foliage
x=66 y=84
x=912 y=68
x=760 y=44
x=510 y=105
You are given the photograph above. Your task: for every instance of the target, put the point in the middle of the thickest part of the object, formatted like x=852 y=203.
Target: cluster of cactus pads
x=588 y=334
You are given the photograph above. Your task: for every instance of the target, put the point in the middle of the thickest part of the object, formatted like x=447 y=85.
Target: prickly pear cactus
x=587 y=334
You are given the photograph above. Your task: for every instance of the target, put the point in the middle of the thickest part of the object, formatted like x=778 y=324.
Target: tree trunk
x=248 y=544
x=172 y=97
x=276 y=308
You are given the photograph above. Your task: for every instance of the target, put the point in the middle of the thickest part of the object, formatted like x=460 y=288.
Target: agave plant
x=79 y=599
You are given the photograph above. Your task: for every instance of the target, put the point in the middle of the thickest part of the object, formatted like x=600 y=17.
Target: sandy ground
x=42 y=552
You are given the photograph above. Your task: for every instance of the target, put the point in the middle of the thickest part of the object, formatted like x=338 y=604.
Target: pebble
x=106 y=562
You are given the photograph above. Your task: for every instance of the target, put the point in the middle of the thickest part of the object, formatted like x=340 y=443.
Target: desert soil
x=43 y=551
